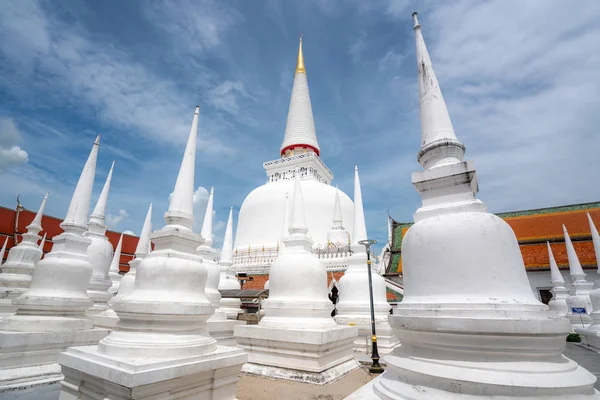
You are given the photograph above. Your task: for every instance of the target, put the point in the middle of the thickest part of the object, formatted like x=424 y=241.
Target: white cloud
x=10 y=154
x=113 y=220
x=128 y=232
x=358 y=47
x=391 y=61
x=225 y=96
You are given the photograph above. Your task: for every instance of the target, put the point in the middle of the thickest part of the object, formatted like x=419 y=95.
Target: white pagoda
x=469 y=324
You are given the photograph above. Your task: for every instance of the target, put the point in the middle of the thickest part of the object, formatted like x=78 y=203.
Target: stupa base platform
x=590 y=338
x=89 y=374
x=106 y=319
x=222 y=331
x=6 y=307
x=386 y=339
x=315 y=378
x=315 y=356
x=29 y=359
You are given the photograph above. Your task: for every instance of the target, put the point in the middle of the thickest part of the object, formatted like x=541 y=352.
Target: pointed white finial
x=42 y=242
x=285 y=230
x=436 y=127
x=574 y=265
x=227 y=250
x=79 y=208
x=143 y=248
x=595 y=240
x=337 y=210
x=97 y=216
x=298 y=215
x=36 y=225
x=181 y=206
x=114 y=264
x=360 y=227
x=389 y=226
x=207 y=224
x=3 y=250
x=555 y=275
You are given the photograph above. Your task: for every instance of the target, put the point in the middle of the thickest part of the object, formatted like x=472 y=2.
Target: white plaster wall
x=541 y=279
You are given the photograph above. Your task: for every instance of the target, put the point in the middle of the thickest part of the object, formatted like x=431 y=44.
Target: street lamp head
x=367 y=243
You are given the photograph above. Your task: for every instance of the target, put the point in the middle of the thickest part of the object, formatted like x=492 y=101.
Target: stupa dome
x=262 y=214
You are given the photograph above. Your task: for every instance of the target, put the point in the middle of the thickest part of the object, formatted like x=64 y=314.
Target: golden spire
x=300 y=64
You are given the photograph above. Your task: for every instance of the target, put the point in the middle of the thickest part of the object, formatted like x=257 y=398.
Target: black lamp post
x=375 y=368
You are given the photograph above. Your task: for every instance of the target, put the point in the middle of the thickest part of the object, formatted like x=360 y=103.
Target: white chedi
x=595 y=241
x=51 y=312
x=469 y=323
x=100 y=252
x=559 y=292
x=297 y=315
x=590 y=336
x=160 y=346
x=354 y=305
x=113 y=272
x=227 y=279
x=580 y=297
x=20 y=263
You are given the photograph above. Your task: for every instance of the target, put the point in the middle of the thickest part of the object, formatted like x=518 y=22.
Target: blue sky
x=521 y=81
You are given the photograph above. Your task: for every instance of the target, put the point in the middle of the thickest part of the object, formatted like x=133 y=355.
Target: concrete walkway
x=588 y=359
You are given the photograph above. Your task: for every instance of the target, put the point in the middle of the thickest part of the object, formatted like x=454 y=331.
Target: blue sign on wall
x=578 y=310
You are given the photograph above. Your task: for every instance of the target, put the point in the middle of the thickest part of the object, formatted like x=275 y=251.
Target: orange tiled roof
x=534 y=227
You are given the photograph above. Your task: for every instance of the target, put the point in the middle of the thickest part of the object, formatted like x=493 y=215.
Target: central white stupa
x=261 y=217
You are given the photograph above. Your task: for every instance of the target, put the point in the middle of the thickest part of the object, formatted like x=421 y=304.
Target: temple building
x=533 y=229
x=262 y=215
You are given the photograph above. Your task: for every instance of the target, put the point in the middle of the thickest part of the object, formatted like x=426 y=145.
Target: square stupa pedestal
x=106 y=319
x=222 y=331
x=29 y=359
x=90 y=375
x=386 y=339
x=316 y=356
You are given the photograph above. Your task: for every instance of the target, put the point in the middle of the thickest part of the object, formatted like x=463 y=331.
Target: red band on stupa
x=293 y=146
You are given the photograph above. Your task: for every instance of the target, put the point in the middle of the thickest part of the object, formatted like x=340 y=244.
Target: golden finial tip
x=300 y=63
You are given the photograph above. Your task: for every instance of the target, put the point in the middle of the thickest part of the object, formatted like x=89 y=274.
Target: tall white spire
x=181 y=206
x=298 y=217
x=3 y=250
x=436 y=127
x=286 y=222
x=300 y=127
x=36 y=225
x=555 y=276
x=207 y=224
x=574 y=264
x=79 y=207
x=97 y=216
x=360 y=227
x=114 y=264
x=595 y=240
x=41 y=247
x=143 y=246
x=227 y=250
x=389 y=226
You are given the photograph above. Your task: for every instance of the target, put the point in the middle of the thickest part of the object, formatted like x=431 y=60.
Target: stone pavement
x=588 y=359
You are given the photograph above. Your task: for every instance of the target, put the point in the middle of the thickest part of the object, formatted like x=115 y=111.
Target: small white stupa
x=160 y=347
x=100 y=252
x=354 y=305
x=595 y=241
x=42 y=243
x=50 y=315
x=141 y=251
x=590 y=336
x=559 y=292
x=113 y=272
x=338 y=234
x=579 y=300
x=20 y=263
x=469 y=323
x=297 y=339
x=228 y=280
x=219 y=326
x=108 y=318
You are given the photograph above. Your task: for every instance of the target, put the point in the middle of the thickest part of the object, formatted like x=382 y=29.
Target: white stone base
x=222 y=331
x=6 y=307
x=30 y=358
x=316 y=378
x=91 y=375
x=106 y=319
x=589 y=338
x=386 y=339
x=304 y=353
